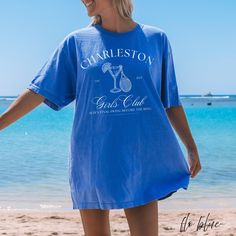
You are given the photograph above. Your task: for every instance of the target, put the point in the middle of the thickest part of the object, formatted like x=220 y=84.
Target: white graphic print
x=125 y=83
x=125 y=96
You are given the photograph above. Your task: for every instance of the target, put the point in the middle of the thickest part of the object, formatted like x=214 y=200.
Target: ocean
x=34 y=154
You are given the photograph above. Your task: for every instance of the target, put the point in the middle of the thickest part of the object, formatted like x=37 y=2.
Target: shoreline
x=172 y=203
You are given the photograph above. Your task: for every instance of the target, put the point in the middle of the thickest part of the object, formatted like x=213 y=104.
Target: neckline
x=134 y=29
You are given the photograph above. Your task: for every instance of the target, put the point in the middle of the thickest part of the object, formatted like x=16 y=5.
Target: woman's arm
x=24 y=103
x=179 y=122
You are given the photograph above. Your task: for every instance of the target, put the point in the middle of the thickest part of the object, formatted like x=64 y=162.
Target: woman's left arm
x=179 y=122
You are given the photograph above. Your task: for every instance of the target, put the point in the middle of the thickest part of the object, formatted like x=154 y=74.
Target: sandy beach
x=194 y=222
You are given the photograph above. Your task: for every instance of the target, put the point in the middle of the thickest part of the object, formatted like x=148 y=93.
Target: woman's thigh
x=95 y=222
x=143 y=220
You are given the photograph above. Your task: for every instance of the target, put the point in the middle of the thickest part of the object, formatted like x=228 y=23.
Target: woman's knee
x=95 y=222
x=143 y=220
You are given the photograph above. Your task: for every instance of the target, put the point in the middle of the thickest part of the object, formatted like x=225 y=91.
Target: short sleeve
x=56 y=80
x=169 y=88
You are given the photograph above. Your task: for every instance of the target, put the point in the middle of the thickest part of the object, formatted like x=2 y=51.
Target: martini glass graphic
x=114 y=72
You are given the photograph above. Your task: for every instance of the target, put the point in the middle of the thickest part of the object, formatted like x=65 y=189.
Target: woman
x=124 y=153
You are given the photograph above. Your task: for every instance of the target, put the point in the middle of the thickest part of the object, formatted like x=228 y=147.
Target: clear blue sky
x=202 y=34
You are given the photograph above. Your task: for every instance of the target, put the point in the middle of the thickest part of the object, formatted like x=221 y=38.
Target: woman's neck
x=112 y=21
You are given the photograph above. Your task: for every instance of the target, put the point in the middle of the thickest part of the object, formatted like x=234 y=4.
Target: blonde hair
x=123 y=7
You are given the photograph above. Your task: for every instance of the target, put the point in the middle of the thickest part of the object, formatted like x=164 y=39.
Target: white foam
x=208 y=97
x=46 y=206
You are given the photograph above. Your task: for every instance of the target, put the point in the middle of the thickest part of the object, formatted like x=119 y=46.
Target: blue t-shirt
x=123 y=151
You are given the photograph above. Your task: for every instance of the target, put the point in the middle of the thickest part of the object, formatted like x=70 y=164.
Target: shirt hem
x=121 y=205
x=49 y=100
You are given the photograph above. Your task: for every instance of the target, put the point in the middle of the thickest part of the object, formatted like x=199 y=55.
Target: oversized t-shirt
x=123 y=150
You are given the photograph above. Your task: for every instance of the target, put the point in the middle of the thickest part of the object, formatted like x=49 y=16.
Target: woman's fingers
x=196 y=170
x=194 y=162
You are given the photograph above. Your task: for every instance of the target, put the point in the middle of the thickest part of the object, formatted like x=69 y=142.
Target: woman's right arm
x=24 y=103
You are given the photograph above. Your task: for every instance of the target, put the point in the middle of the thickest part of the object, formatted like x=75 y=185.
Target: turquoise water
x=34 y=154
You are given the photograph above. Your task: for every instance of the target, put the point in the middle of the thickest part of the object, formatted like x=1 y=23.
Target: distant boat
x=209 y=94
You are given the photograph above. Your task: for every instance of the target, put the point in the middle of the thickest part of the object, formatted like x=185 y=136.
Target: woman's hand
x=194 y=161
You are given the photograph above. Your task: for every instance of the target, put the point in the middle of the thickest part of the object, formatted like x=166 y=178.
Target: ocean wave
x=7 y=99
x=206 y=97
x=46 y=206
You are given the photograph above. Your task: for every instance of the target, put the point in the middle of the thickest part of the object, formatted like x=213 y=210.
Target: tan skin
x=142 y=220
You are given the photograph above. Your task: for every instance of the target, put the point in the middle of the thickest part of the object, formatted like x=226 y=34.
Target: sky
x=202 y=34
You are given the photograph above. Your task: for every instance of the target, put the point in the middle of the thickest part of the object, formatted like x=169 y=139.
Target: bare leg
x=143 y=220
x=95 y=222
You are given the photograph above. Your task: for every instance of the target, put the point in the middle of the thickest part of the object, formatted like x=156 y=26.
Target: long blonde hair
x=123 y=7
